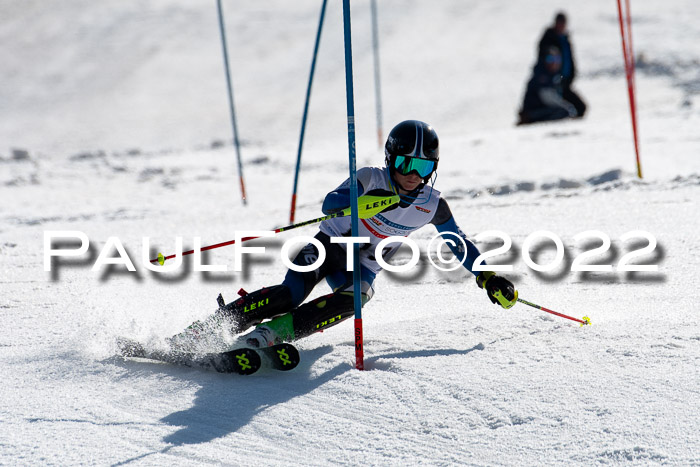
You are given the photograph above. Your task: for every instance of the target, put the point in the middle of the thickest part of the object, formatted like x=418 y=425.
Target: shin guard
x=254 y=307
x=322 y=313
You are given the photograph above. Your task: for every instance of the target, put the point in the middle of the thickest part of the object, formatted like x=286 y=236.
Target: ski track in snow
x=117 y=128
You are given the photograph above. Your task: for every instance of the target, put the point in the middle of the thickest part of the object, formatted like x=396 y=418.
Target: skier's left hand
x=499 y=289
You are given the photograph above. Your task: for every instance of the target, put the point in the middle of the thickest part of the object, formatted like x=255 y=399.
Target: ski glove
x=499 y=289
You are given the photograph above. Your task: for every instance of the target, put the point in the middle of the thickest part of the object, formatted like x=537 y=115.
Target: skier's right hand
x=499 y=289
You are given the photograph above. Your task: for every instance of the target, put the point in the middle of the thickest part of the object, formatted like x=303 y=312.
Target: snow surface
x=120 y=107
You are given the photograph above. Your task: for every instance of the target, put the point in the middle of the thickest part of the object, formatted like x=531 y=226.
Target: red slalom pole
x=632 y=85
x=586 y=320
x=626 y=34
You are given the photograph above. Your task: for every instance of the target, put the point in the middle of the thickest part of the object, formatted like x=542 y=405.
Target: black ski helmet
x=414 y=139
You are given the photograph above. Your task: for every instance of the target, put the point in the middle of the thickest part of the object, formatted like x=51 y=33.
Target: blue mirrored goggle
x=405 y=165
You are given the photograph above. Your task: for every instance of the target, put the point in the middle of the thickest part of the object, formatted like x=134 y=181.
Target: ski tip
x=161 y=259
x=586 y=321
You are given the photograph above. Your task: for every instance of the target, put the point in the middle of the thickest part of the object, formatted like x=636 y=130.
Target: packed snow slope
x=115 y=124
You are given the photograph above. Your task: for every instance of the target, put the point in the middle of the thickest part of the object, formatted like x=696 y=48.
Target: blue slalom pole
x=306 y=112
x=356 y=276
x=377 y=77
x=229 y=87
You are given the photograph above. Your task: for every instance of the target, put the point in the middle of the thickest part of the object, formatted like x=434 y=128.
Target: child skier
x=411 y=160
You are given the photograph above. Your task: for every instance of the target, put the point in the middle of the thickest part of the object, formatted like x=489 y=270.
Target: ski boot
x=261 y=337
x=252 y=308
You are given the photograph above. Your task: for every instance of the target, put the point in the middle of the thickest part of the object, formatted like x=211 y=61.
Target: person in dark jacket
x=558 y=36
x=544 y=97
